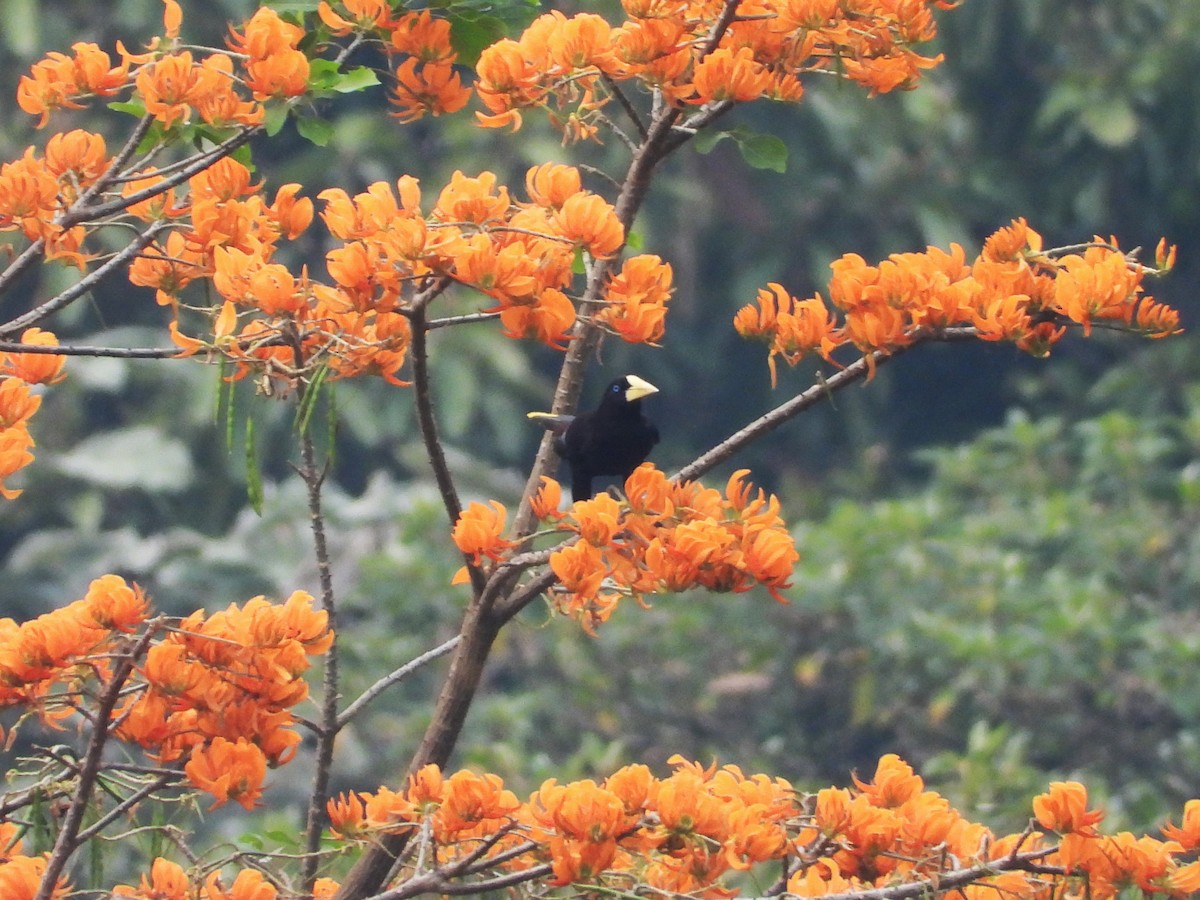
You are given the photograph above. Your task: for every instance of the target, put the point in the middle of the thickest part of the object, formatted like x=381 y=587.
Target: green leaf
x=706 y=140
x=277 y=114
x=314 y=130
x=323 y=74
x=155 y=135
x=245 y=156
x=133 y=107
x=635 y=241
x=308 y=402
x=356 y=80
x=763 y=151
x=469 y=35
x=760 y=151
x=254 y=485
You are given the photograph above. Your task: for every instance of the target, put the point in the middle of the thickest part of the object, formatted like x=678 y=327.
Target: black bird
x=612 y=440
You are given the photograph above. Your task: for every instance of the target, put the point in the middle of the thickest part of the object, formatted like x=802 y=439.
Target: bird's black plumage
x=613 y=439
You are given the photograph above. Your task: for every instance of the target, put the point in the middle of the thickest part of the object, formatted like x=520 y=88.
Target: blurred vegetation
x=999 y=577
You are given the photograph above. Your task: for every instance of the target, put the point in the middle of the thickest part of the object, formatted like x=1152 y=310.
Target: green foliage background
x=999 y=578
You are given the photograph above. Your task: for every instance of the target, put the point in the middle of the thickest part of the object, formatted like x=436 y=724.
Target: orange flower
x=228 y=771
x=471 y=800
x=589 y=220
x=28 y=195
x=1156 y=320
x=728 y=75
x=14 y=455
x=52 y=83
x=250 y=884
x=478 y=529
x=347 y=815
x=76 y=158
x=431 y=87
x=474 y=200
x=160 y=206
x=21 y=879
x=36 y=368
x=1187 y=835
x=551 y=184
x=505 y=79
x=636 y=299
x=17 y=403
x=894 y=783
x=115 y=605
x=1098 y=285
x=168 y=269
x=579 y=42
x=281 y=74
x=424 y=37
x=290 y=215
x=1064 y=809
x=547 y=499
x=169 y=87
x=367 y=16
x=548 y=319
x=167 y=881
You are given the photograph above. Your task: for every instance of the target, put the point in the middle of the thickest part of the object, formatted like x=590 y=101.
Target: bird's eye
x=616 y=389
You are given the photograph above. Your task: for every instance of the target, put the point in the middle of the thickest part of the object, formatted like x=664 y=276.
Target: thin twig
x=822 y=390
x=68 y=836
x=84 y=350
x=84 y=284
x=128 y=803
x=392 y=678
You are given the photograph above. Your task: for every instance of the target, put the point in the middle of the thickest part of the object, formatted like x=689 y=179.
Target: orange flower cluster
x=18 y=403
x=168 y=880
x=44 y=662
x=669 y=537
x=219 y=688
x=1013 y=291
x=686 y=833
x=35 y=190
x=679 y=833
x=568 y=64
x=173 y=85
x=418 y=46
x=1108 y=864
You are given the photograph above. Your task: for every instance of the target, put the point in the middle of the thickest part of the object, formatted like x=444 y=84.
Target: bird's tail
x=551 y=422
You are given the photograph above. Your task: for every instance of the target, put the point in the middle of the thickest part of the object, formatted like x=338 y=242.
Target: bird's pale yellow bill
x=638 y=388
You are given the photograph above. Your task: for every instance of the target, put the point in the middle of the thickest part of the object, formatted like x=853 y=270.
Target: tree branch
x=84 y=284
x=68 y=836
x=392 y=678
x=314 y=478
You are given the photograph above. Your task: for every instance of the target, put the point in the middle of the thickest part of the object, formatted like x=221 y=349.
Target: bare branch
x=394 y=677
x=84 y=284
x=68 y=839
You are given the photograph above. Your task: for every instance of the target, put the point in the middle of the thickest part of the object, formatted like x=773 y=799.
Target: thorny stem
x=314 y=478
x=68 y=839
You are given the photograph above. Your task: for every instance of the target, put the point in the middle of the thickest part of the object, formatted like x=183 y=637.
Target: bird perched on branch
x=614 y=439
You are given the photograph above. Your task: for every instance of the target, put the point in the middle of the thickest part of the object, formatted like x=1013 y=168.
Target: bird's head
x=632 y=388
